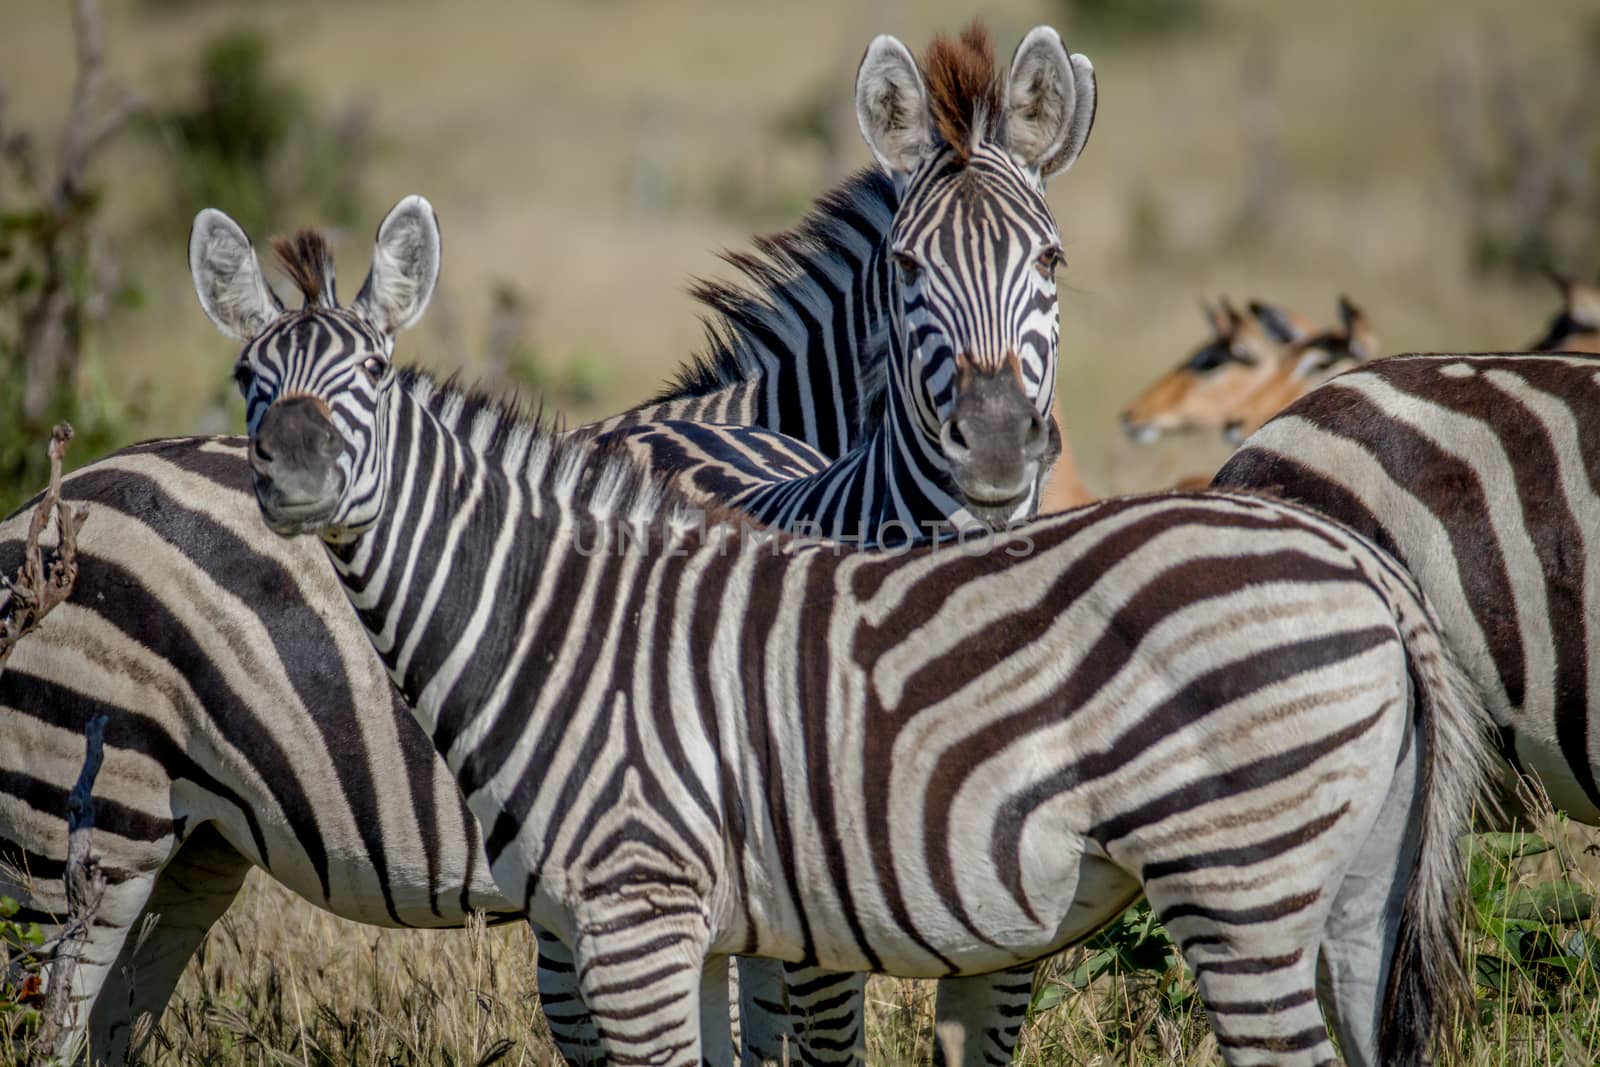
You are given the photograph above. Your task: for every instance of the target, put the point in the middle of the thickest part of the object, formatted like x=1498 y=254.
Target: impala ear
x=405 y=267
x=1278 y=323
x=228 y=278
x=892 y=106
x=1360 y=338
x=1215 y=318
x=1050 y=103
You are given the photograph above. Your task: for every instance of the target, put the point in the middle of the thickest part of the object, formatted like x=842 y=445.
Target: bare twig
x=52 y=328
x=85 y=885
x=37 y=589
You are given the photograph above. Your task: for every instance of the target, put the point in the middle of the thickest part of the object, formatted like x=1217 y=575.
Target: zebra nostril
x=258 y=450
x=330 y=445
x=1037 y=436
x=958 y=438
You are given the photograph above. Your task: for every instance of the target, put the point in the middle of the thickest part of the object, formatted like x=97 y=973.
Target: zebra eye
x=243 y=376
x=375 y=367
x=1050 y=260
x=910 y=269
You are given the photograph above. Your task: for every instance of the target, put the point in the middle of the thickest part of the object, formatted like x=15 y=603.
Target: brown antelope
x=1577 y=327
x=1200 y=393
x=1302 y=366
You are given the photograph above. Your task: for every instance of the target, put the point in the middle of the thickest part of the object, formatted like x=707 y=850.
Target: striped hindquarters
x=1482 y=474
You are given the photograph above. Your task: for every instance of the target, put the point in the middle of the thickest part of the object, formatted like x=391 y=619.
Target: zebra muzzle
x=294 y=455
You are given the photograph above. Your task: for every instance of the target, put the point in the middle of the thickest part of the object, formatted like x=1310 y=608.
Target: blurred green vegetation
x=251 y=138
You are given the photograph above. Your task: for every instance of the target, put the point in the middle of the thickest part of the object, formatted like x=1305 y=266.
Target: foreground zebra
x=1482 y=474
x=688 y=742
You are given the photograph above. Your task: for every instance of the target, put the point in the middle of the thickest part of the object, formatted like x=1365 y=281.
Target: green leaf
x=1551 y=902
x=1512 y=845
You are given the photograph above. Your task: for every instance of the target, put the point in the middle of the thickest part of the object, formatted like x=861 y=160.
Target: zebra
x=686 y=740
x=819 y=292
x=965 y=439
x=1478 y=473
x=967 y=436
x=214 y=687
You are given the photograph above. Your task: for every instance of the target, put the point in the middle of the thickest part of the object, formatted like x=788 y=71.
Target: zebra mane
x=308 y=262
x=791 y=277
x=532 y=445
x=965 y=91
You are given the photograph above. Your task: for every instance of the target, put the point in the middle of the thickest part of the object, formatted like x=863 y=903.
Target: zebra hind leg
x=1363 y=925
x=641 y=965
x=189 y=895
x=978 y=1019
x=1255 y=964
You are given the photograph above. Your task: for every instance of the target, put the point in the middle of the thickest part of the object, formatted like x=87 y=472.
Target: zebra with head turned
x=246 y=728
x=1481 y=474
x=684 y=742
x=260 y=785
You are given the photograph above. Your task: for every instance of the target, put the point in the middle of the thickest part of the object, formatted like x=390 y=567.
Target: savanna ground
x=586 y=159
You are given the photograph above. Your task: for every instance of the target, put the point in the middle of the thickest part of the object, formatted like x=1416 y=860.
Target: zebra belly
x=1086 y=891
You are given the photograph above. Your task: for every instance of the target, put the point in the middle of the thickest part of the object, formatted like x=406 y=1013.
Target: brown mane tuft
x=965 y=91
x=307 y=260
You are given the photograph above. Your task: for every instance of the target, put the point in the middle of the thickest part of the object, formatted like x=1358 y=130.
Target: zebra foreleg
x=640 y=967
x=979 y=1018
x=766 y=1031
x=562 y=1004
x=828 y=1015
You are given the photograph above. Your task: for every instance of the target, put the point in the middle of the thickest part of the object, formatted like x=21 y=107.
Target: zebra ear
x=1050 y=103
x=892 y=106
x=228 y=278
x=405 y=266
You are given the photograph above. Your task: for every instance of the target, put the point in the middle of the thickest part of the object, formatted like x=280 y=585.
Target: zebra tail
x=1428 y=983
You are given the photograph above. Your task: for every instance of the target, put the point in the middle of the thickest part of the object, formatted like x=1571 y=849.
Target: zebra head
x=976 y=249
x=315 y=380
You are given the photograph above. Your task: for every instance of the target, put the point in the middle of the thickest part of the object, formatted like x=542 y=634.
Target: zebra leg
x=1257 y=973
x=1363 y=925
x=716 y=1030
x=978 y=1019
x=640 y=966
x=189 y=895
x=828 y=1015
x=766 y=1032
x=559 y=999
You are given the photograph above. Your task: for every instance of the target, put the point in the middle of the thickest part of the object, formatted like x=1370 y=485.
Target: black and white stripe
x=690 y=743
x=1481 y=473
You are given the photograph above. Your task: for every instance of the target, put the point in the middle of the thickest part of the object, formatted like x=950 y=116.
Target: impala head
x=1577 y=327
x=315 y=380
x=975 y=248
x=1302 y=366
x=1240 y=357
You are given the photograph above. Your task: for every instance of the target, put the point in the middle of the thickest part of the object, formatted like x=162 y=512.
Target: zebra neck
x=890 y=489
x=801 y=347
x=481 y=552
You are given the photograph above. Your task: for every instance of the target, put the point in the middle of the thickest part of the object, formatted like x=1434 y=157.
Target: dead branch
x=38 y=588
x=52 y=328
x=85 y=885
